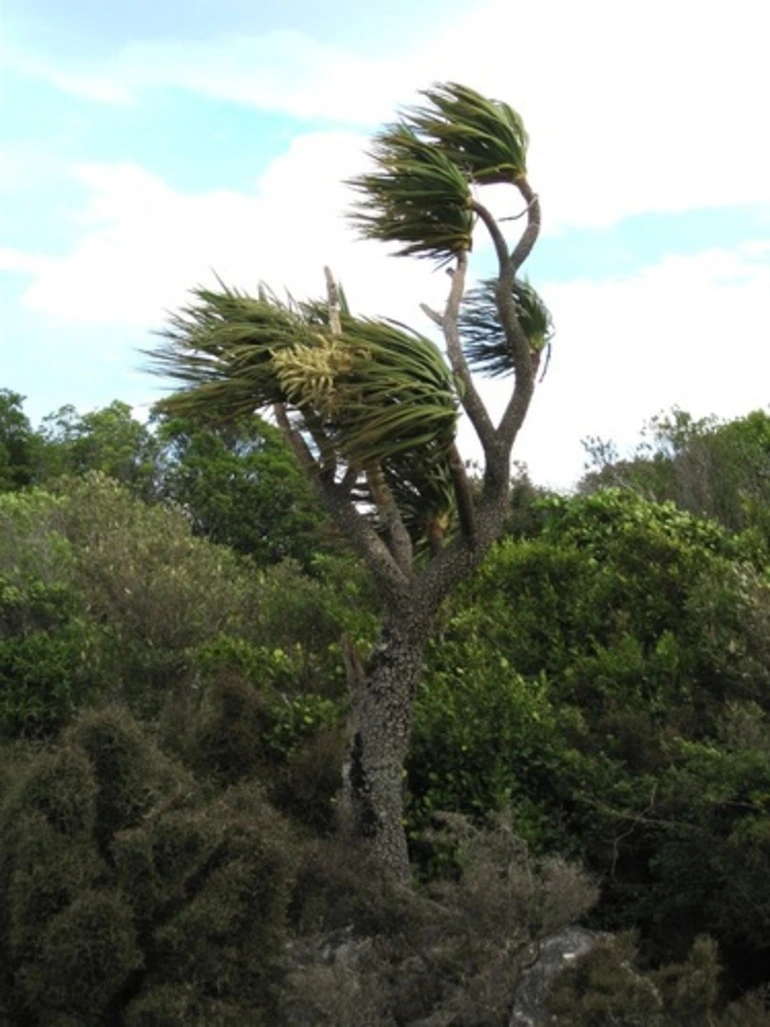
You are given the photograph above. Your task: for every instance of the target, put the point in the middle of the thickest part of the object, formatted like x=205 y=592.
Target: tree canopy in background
x=712 y=468
x=18 y=443
x=241 y=487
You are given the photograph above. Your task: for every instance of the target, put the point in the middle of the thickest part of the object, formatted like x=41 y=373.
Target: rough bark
x=381 y=697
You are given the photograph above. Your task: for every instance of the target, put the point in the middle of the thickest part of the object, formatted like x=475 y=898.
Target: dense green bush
x=49 y=650
x=242 y=724
x=46 y=673
x=161 y=591
x=306 y=616
x=484 y=738
x=103 y=593
x=30 y=545
x=711 y=856
x=245 y=725
x=126 y=891
x=591 y=677
x=166 y=597
x=138 y=583
x=242 y=487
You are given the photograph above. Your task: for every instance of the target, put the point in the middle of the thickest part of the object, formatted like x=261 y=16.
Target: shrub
x=449 y=954
x=49 y=658
x=602 y=989
x=126 y=892
x=483 y=738
x=609 y=678
x=49 y=652
x=606 y=988
x=84 y=953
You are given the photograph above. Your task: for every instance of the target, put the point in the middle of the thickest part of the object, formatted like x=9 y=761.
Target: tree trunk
x=382 y=693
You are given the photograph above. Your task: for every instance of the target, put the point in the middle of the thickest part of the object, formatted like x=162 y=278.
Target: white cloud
x=143 y=245
x=284 y=71
x=692 y=331
x=631 y=107
x=36 y=265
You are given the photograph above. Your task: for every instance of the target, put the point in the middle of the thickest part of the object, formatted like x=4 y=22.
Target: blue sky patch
x=144 y=143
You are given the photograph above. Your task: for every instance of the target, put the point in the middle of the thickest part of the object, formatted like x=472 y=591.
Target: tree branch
x=399 y=540
x=348 y=480
x=466 y=511
x=470 y=399
x=305 y=458
x=498 y=239
x=525 y=367
x=532 y=231
x=498 y=454
x=390 y=579
x=432 y=314
x=450 y=565
x=328 y=462
x=333 y=302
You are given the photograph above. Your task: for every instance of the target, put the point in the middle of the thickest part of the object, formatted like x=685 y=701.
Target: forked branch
x=469 y=397
x=390 y=577
x=526 y=367
x=398 y=539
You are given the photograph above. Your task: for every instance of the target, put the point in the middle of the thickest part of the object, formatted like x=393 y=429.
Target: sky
x=147 y=146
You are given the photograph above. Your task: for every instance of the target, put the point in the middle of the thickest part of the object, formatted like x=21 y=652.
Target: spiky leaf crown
x=419 y=194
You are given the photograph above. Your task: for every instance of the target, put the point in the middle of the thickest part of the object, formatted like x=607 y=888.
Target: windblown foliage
x=485 y=343
x=418 y=197
x=377 y=390
x=420 y=193
x=377 y=394
x=485 y=137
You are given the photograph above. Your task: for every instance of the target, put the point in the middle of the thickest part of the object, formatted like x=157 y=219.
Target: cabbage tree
x=371 y=407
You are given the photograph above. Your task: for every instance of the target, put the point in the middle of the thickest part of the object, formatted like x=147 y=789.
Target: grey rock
x=555 y=954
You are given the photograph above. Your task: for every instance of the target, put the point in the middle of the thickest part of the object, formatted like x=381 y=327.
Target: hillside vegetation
x=591 y=740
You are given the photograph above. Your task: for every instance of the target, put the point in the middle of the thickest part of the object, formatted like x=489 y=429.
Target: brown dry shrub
x=602 y=989
x=131 y=773
x=752 y=1010
x=128 y=893
x=308 y=786
x=605 y=988
x=83 y=954
x=226 y=740
x=449 y=954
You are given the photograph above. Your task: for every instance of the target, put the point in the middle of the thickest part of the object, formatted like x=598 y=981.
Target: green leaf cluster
x=376 y=391
x=378 y=398
x=484 y=340
x=485 y=137
x=19 y=445
x=241 y=486
x=418 y=197
x=419 y=194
